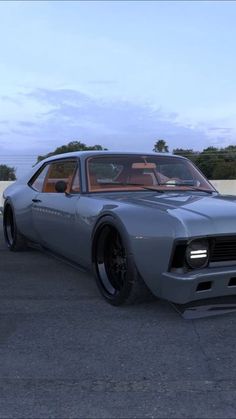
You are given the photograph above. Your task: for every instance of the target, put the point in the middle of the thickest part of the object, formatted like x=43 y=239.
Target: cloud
x=63 y=115
x=57 y=96
x=10 y=99
x=116 y=124
x=26 y=124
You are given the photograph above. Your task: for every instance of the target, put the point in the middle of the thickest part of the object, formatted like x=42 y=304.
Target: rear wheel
x=15 y=241
x=116 y=275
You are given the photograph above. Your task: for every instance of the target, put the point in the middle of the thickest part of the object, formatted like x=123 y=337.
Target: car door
x=54 y=212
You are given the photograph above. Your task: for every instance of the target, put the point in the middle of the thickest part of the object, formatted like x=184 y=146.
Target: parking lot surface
x=66 y=353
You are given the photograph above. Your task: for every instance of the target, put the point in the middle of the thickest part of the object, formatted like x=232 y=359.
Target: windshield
x=136 y=172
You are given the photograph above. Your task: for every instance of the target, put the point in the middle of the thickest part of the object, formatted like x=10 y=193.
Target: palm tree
x=160 y=147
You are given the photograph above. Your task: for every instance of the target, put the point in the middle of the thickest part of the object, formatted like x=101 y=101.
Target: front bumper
x=183 y=288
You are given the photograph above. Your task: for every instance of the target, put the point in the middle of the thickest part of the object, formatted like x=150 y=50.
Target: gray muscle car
x=142 y=222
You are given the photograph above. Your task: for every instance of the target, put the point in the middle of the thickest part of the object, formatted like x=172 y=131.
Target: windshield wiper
x=178 y=190
x=189 y=184
x=192 y=188
x=157 y=189
x=148 y=188
x=199 y=190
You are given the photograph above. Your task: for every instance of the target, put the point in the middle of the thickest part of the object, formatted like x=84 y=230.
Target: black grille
x=223 y=249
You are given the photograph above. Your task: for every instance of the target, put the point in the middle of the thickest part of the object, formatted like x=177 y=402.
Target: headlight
x=197 y=254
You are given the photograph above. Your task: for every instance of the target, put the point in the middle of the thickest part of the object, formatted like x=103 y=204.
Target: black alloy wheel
x=8 y=223
x=116 y=275
x=114 y=264
x=14 y=240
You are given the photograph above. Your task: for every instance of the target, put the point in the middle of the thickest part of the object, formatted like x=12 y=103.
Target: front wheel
x=116 y=275
x=14 y=240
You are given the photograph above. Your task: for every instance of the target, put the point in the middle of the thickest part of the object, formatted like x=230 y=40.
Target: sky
x=121 y=74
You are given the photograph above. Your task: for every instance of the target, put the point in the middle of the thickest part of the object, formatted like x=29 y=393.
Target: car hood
x=198 y=213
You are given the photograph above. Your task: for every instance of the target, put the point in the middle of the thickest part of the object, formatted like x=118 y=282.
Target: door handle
x=36 y=200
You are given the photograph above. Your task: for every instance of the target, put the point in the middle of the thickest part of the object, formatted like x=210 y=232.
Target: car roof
x=86 y=154
x=83 y=155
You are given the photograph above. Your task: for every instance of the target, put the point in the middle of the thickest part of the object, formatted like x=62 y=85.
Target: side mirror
x=61 y=186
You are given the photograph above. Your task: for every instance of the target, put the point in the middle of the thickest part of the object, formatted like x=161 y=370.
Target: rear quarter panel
x=20 y=197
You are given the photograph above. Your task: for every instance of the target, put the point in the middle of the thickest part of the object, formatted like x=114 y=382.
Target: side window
x=75 y=187
x=38 y=181
x=60 y=170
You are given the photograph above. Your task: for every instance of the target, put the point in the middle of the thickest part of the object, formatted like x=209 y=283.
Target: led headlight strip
x=197 y=254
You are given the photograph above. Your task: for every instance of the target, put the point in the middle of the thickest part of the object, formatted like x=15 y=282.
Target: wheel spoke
x=112 y=265
x=117 y=263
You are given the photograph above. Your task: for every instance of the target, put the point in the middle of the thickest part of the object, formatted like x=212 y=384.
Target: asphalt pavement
x=66 y=353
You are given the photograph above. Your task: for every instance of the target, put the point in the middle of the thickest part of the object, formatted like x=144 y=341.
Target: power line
x=182 y=152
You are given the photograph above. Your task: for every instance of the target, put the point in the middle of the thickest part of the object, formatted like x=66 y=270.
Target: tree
x=208 y=160
x=7 y=173
x=224 y=170
x=160 y=146
x=189 y=153
x=186 y=152
x=70 y=147
x=215 y=163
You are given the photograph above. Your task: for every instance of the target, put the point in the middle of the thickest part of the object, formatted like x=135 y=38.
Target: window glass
x=179 y=170
x=38 y=182
x=75 y=188
x=135 y=172
x=61 y=170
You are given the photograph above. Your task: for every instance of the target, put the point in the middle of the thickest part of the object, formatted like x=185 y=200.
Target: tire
x=14 y=240
x=116 y=275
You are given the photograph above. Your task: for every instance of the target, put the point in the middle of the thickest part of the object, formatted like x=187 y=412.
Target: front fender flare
x=114 y=221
